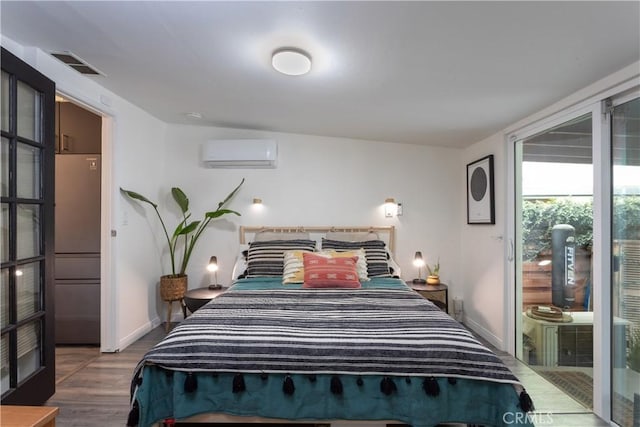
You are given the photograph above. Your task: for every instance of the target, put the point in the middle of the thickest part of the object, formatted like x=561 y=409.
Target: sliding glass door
x=625 y=278
x=576 y=253
x=554 y=238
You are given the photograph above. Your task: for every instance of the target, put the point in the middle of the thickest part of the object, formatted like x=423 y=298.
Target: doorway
x=554 y=240
x=580 y=277
x=77 y=223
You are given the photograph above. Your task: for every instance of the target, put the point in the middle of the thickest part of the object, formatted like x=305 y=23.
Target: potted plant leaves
x=173 y=286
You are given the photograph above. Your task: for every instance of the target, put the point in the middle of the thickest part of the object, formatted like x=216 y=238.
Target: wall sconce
x=213 y=267
x=257 y=201
x=390 y=207
x=418 y=261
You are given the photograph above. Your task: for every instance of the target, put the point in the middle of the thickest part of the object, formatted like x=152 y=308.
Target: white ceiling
x=437 y=73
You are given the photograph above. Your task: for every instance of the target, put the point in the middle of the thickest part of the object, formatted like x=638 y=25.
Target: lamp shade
x=213 y=264
x=390 y=207
x=418 y=261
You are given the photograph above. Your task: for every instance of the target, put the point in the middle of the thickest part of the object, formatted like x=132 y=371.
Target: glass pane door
x=27 y=350
x=554 y=233
x=625 y=297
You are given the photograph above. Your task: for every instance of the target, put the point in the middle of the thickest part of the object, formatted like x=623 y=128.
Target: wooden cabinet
x=78 y=131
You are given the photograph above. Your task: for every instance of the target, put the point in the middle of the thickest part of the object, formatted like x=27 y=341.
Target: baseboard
x=483 y=332
x=139 y=333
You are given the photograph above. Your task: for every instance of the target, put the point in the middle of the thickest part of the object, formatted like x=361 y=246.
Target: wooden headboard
x=386 y=233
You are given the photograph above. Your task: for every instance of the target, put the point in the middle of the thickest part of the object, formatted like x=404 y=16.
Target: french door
x=27 y=372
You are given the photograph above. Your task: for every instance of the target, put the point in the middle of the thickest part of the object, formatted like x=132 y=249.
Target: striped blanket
x=392 y=332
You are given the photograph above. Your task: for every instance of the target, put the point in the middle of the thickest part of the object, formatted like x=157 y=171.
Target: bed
x=373 y=353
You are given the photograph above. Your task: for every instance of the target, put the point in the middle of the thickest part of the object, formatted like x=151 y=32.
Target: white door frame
x=108 y=291
x=601 y=253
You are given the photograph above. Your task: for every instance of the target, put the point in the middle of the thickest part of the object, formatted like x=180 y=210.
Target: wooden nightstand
x=196 y=298
x=437 y=294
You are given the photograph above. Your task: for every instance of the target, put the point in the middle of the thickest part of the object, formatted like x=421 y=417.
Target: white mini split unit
x=240 y=153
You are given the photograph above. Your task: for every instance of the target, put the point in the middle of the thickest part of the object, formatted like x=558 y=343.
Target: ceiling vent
x=77 y=64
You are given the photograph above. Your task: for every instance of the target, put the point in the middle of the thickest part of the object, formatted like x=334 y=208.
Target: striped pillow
x=323 y=272
x=375 y=253
x=266 y=259
x=293 y=267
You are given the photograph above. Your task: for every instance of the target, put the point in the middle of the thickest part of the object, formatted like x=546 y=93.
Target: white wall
x=325 y=181
x=133 y=156
x=483 y=251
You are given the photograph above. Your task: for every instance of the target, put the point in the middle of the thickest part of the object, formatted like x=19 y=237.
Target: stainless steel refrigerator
x=77 y=247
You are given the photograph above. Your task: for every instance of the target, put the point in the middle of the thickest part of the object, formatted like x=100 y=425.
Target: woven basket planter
x=173 y=287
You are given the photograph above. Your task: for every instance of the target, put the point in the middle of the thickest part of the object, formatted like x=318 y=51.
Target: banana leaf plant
x=189 y=230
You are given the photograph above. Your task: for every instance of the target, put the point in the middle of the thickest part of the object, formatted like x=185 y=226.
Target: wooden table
x=196 y=298
x=437 y=294
x=28 y=416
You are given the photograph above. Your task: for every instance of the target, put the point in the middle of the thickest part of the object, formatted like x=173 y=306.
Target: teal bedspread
x=490 y=404
x=160 y=393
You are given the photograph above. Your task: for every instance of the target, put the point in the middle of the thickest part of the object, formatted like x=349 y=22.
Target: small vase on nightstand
x=433 y=280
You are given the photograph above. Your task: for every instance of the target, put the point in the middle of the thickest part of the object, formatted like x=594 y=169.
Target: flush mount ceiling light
x=291 y=61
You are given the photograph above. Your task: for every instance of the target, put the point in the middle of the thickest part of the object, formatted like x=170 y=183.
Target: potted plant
x=434 y=273
x=174 y=285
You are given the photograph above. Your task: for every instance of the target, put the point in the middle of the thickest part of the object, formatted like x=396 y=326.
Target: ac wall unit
x=240 y=153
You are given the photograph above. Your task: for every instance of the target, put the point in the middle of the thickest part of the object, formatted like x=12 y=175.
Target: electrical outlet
x=399 y=209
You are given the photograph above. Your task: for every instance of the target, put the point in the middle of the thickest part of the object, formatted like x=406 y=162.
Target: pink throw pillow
x=323 y=272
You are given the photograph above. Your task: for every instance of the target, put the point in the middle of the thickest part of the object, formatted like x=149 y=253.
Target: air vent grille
x=76 y=63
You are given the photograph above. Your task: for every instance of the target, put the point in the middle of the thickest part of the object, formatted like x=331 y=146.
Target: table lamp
x=418 y=262
x=213 y=267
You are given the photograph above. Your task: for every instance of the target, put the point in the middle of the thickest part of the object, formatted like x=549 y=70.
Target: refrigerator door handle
x=64 y=143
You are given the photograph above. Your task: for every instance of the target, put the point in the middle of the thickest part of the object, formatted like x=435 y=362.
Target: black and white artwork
x=480 y=197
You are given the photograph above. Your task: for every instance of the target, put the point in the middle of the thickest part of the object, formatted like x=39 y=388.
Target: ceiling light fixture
x=291 y=61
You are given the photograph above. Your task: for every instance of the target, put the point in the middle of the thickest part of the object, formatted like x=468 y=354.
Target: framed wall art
x=480 y=192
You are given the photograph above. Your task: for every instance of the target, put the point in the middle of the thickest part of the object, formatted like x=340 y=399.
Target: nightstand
x=437 y=294
x=196 y=298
